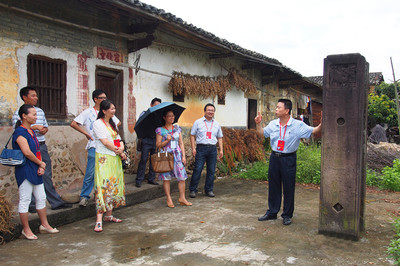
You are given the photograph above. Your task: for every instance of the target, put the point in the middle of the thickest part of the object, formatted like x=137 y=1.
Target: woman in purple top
x=29 y=175
x=169 y=138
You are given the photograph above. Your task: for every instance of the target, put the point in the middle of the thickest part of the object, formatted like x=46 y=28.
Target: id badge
x=281 y=145
x=39 y=155
x=117 y=143
x=173 y=144
x=208 y=135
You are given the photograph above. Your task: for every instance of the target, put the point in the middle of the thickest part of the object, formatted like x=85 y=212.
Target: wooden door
x=111 y=82
x=252 y=113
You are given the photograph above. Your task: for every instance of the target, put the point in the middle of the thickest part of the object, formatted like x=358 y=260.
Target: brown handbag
x=162 y=162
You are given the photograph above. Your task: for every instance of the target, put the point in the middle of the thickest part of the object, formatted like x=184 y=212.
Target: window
x=48 y=76
x=178 y=98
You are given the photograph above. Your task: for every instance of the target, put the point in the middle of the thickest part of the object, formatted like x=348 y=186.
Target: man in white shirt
x=205 y=135
x=83 y=123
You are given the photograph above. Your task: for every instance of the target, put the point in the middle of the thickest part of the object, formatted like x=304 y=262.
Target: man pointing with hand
x=285 y=134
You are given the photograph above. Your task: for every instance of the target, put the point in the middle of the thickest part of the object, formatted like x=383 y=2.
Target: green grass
x=394 y=247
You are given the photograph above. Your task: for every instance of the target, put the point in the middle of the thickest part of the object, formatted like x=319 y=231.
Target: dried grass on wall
x=242 y=145
x=209 y=87
x=5 y=218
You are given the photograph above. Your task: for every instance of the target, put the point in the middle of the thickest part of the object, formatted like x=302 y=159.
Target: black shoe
x=287 y=221
x=32 y=209
x=153 y=182
x=192 y=194
x=63 y=206
x=267 y=216
x=138 y=185
x=210 y=194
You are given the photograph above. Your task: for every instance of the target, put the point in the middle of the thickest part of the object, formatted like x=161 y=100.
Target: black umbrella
x=153 y=118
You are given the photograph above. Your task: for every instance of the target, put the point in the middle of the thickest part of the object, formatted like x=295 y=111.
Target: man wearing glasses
x=86 y=119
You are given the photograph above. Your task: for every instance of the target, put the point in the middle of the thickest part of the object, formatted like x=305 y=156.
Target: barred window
x=48 y=76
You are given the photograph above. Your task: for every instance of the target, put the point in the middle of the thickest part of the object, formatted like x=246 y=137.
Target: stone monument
x=344 y=138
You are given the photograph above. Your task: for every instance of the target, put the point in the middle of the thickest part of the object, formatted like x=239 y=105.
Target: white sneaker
x=83 y=202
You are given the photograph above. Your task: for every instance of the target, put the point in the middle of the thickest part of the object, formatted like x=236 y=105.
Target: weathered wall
x=22 y=35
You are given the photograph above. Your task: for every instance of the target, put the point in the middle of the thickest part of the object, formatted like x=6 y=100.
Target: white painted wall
x=166 y=60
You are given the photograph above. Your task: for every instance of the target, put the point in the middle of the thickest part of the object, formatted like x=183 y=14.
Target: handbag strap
x=9 y=140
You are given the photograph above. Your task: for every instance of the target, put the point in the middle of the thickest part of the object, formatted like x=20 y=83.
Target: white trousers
x=25 y=195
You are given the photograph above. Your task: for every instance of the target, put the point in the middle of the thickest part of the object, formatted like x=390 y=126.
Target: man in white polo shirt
x=204 y=136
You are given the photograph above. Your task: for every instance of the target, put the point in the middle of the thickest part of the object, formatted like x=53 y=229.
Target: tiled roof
x=173 y=19
x=375 y=78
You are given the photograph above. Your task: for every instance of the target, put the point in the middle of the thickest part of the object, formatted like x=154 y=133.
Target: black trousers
x=281 y=174
x=148 y=147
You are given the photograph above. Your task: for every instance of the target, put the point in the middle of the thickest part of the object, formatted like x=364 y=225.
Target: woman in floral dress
x=169 y=138
x=108 y=178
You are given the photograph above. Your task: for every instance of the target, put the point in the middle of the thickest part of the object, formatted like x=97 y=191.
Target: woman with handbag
x=29 y=175
x=109 y=186
x=169 y=137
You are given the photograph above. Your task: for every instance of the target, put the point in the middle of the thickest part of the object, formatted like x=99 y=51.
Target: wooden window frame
x=49 y=77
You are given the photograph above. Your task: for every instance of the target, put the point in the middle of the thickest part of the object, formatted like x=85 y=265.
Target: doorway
x=111 y=82
x=252 y=113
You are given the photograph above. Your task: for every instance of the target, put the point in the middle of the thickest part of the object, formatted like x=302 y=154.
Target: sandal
x=112 y=219
x=98 y=227
x=185 y=203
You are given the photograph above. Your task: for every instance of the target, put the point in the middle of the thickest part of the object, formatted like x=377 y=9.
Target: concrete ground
x=214 y=231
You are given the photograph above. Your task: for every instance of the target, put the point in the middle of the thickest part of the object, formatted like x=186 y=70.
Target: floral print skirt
x=109 y=185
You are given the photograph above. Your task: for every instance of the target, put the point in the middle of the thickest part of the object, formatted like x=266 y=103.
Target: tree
x=387 y=89
x=381 y=110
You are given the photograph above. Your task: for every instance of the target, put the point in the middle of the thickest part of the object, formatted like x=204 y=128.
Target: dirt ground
x=214 y=231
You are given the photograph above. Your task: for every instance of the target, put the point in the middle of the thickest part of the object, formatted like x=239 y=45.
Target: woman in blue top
x=29 y=175
x=169 y=137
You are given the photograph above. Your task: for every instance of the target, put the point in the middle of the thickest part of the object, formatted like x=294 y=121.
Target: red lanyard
x=168 y=130
x=112 y=131
x=207 y=126
x=33 y=137
x=280 y=127
x=95 y=111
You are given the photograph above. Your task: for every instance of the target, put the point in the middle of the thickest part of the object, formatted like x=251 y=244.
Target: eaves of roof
x=166 y=17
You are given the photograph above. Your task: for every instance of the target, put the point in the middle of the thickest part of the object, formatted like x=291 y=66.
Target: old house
x=133 y=51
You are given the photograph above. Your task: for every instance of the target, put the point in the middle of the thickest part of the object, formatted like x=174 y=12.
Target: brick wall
x=34 y=30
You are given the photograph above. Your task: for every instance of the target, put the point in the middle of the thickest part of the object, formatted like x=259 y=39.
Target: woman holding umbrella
x=169 y=137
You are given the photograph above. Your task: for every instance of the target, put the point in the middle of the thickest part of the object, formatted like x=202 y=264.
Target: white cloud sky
x=301 y=33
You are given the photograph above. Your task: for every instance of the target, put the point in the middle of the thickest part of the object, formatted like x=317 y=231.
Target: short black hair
x=287 y=103
x=96 y=93
x=209 y=104
x=155 y=100
x=25 y=91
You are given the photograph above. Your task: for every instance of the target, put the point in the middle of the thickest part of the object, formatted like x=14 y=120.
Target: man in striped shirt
x=29 y=96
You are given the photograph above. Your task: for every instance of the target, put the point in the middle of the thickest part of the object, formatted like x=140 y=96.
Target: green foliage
x=308 y=164
x=391 y=176
x=394 y=247
x=373 y=178
x=381 y=110
x=259 y=171
x=388 y=179
x=222 y=167
x=387 y=89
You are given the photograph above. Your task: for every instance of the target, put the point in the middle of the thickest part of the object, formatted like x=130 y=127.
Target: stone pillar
x=343 y=164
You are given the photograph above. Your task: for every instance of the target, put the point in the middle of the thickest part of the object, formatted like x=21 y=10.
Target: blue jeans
x=204 y=154
x=51 y=193
x=88 y=180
